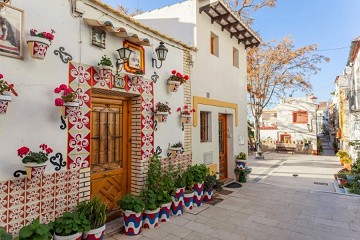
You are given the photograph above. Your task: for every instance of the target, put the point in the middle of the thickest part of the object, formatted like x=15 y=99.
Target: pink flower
x=173 y=72
x=178 y=109
x=59 y=102
x=1 y=76
x=63 y=87
x=57 y=90
x=66 y=91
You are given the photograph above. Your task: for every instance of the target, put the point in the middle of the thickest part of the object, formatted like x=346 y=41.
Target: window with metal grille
x=300 y=117
x=205 y=135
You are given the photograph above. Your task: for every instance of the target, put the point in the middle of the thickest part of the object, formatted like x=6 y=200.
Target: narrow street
x=274 y=204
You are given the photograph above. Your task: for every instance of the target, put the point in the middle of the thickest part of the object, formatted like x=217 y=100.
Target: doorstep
x=114 y=227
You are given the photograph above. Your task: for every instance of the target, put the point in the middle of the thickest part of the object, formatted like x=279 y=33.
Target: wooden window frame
x=214 y=44
x=295 y=117
x=205 y=126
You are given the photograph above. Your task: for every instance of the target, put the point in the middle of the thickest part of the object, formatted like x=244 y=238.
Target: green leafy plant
x=199 y=172
x=4 y=235
x=150 y=199
x=166 y=186
x=162 y=107
x=71 y=223
x=131 y=203
x=355 y=188
x=105 y=61
x=95 y=210
x=189 y=181
x=177 y=145
x=241 y=155
x=138 y=72
x=178 y=177
x=35 y=231
x=212 y=182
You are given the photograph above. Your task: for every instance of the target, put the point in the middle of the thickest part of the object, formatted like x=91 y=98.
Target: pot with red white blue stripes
x=132 y=222
x=151 y=218
x=164 y=213
x=208 y=194
x=176 y=207
x=198 y=194
x=188 y=201
x=179 y=193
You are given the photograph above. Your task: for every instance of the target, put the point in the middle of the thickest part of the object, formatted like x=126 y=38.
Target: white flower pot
x=185 y=118
x=161 y=116
x=5 y=98
x=71 y=104
x=38 y=46
x=35 y=170
x=173 y=86
x=76 y=236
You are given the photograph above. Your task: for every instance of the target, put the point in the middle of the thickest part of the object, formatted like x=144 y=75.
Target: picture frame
x=11 y=31
x=119 y=81
x=136 y=61
x=98 y=37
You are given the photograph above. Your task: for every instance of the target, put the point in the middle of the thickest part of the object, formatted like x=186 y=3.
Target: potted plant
x=175 y=149
x=241 y=160
x=185 y=114
x=105 y=64
x=347 y=162
x=175 y=80
x=67 y=99
x=35 y=230
x=96 y=212
x=162 y=110
x=70 y=226
x=39 y=43
x=133 y=208
x=189 y=190
x=211 y=183
x=138 y=74
x=4 y=235
x=177 y=196
x=35 y=162
x=5 y=98
x=151 y=212
x=199 y=172
x=242 y=174
x=166 y=185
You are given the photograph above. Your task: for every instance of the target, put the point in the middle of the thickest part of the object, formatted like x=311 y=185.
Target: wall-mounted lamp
x=161 y=52
x=124 y=54
x=309 y=126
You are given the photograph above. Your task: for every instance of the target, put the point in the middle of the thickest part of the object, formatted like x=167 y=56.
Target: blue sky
x=332 y=24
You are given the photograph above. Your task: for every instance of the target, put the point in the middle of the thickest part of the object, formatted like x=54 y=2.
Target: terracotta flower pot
x=94 y=234
x=151 y=219
x=173 y=86
x=35 y=170
x=38 y=47
x=164 y=213
x=132 y=222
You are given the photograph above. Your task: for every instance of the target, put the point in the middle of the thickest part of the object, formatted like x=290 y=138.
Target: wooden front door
x=110 y=136
x=223 y=146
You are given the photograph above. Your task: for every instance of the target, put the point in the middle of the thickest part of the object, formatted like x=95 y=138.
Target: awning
x=108 y=26
x=221 y=13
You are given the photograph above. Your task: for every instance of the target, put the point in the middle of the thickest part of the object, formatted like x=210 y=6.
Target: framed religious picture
x=119 y=81
x=11 y=31
x=136 y=61
x=98 y=38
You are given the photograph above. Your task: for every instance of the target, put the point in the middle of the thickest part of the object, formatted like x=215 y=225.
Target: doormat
x=233 y=185
x=321 y=183
x=225 y=192
x=214 y=201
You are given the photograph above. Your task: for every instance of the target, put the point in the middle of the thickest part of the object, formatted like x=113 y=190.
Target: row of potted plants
x=167 y=192
x=87 y=222
x=348 y=178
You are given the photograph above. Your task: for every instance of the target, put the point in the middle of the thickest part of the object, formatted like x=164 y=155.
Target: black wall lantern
x=124 y=54
x=161 y=52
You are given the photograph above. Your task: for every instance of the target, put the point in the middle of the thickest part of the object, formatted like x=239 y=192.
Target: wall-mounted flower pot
x=94 y=234
x=177 y=207
x=188 y=201
x=151 y=219
x=38 y=47
x=175 y=151
x=5 y=98
x=173 y=86
x=35 y=170
x=161 y=116
x=198 y=194
x=132 y=222
x=4 y=103
x=70 y=107
x=185 y=118
x=105 y=71
x=164 y=213
x=208 y=194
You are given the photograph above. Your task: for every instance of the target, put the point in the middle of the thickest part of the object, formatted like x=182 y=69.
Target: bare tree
x=245 y=7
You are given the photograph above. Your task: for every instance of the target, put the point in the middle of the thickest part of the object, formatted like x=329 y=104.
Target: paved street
x=273 y=205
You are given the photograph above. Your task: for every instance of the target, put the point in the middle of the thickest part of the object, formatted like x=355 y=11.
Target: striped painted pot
x=179 y=194
x=198 y=194
x=164 y=214
x=176 y=207
x=151 y=218
x=94 y=234
x=188 y=201
x=132 y=222
x=208 y=195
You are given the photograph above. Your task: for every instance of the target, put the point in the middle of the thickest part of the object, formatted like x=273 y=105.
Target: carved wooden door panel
x=223 y=169
x=109 y=152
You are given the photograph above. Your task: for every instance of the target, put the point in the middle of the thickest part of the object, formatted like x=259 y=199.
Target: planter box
x=185 y=118
x=188 y=201
x=70 y=108
x=164 y=213
x=174 y=151
x=35 y=170
x=37 y=47
x=94 y=234
x=132 y=222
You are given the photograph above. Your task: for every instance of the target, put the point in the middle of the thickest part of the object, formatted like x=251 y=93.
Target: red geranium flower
x=59 y=102
x=23 y=151
x=186 y=77
x=173 y=72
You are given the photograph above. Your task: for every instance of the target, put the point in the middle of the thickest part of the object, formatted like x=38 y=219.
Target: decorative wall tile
x=61 y=177
x=17 y=213
x=3 y=216
x=79 y=119
x=73 y=187
x=48 y=179
x=14 y=227
x=79 y=142
x=48 y=192
x=16 y=199
x=59 y=212
x=74 y=175
x=47 y=217
x=73 y=199
x=17 y=185
x=47 y=205
x=4 y=187
x=3 y=106
x=32 y=195
x=32 y=210
x=79 y=161
x=83 y=96
x=102 y=78
x=4 y=201
x=79 y=74
x=61 y=189
x=61 y=202
x=33 y=183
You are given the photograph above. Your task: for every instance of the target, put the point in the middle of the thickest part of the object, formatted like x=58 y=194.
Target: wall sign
x=98 y=37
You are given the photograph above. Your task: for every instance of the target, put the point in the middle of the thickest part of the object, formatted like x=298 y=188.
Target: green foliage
x=131 y=203
x=95 y=210
x=162 y=107
x=34 y=231
x=105 y=61
x=178 y=177
x=177 y=145
x=199 y=172
x=166 y=186
x=150 y=200
x=4 y=235
x=70 y=223
x=212 y=182
x=189 y=180
x=241 y=156
x=346 y=160
x=355 y=188
x=251 y=133
x=342 y=153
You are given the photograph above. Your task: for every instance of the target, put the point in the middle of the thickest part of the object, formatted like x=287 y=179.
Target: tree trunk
x=257 y=137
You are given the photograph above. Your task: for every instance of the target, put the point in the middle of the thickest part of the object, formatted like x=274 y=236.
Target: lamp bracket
x=154 y=63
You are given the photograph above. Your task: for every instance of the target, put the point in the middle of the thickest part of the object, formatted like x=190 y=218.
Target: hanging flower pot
x=38 y=43
x=162 y=110
x=175 y=80
x=151 y=219
x=67 y=99
x=185 y=114
x=5 y=98
x=177 y=207
x=34 y=162
x=105 y=66
x=161 y=116
x=175 y=151
x=185 y=118
x=188 y=201
x=132 y=222
x=240 y=163
x=198 y=194
x=173 y=86
x=164 y=213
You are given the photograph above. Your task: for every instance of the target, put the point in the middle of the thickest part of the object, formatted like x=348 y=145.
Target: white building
x=218 y=74
x=295 y=122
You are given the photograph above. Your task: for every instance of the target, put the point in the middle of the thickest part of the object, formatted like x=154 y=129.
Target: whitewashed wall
x=32 y=117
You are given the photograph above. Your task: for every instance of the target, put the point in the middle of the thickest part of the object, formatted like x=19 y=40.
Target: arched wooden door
x=110 y=162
